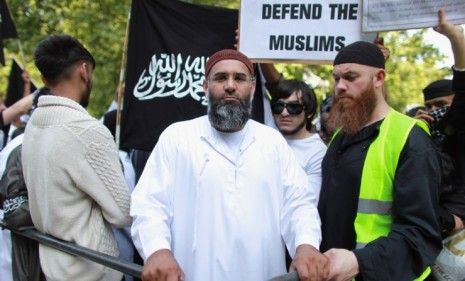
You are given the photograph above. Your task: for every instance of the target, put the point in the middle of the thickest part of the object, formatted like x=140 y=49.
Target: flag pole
x=119 y=98
x=21 y=54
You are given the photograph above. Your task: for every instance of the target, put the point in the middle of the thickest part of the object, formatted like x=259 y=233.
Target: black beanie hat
x=361 y=52
x=436 y=89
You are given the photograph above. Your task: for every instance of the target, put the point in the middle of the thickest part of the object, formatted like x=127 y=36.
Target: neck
x=381 y=110
x=301 y=134
x=66 y=90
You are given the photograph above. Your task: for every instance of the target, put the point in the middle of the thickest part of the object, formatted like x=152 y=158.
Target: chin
x=286 y=131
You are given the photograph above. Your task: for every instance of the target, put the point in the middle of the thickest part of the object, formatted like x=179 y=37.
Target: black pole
x=76 y=250
x=103 y=259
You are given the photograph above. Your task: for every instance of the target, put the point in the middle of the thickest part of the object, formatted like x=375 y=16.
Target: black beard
x=229 y=116
x=85 y=100
x=293 y=131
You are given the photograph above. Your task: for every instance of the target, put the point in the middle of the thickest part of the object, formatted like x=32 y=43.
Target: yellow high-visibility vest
x=374 y=213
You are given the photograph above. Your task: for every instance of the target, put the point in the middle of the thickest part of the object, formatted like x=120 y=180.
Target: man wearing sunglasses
x=221 y=196
x=293 y=105
x=381 y=174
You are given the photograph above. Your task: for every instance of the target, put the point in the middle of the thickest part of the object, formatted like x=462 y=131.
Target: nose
x=285 y=112
x=230 y=85
x=340 y=86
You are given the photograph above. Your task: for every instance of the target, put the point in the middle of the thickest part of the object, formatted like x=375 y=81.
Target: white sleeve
x=313 y=171
x=300 y=222
x=151 y=202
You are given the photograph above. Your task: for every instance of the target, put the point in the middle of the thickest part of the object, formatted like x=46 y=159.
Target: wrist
x=458 y=69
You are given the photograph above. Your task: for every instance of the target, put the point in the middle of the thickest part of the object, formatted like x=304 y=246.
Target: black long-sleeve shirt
x=414 y=240
x=452 y=192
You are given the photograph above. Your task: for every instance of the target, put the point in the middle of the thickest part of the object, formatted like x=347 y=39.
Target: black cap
x=361 y=52
x=439 y=88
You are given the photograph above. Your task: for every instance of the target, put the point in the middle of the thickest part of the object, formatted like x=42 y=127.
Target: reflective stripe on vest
x=374 y=216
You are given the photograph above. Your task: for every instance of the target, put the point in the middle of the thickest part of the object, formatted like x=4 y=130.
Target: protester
x=325 y=131
x=25 y=262
x=122 y=235
x=75 y=184
x=445 y=115
x=413 y=111
x=221 y=193
x=293 y=105
x=379 y=217
x=11 y=113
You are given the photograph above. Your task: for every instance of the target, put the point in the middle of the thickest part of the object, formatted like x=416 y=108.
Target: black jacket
x=452 y=192
x=414 y=240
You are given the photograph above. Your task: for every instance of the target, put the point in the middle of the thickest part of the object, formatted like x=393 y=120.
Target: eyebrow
x=348 y=73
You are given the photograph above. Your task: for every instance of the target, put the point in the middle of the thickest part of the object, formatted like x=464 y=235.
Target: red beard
x=351 y=114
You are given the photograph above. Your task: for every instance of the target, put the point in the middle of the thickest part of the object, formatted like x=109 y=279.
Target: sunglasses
x=292 y=108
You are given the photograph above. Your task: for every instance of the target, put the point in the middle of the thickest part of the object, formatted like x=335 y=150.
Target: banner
x=381 y=15
x=7 y=27
x=169 y=44
x=301 y=30
x=15 y=89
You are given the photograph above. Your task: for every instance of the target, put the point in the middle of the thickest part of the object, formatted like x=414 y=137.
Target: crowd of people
x=370 y=195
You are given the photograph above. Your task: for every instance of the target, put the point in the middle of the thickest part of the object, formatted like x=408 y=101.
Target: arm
x=17 y=109
x=415 y=237
x=313 y=171
x=151 y=208
x=456 y=37
x=452 y=201
x=272 y=76
x=100 y=176
x=300 y=222
x=27 y=83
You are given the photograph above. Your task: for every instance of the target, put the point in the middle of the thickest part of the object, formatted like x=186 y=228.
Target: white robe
x=224 y=218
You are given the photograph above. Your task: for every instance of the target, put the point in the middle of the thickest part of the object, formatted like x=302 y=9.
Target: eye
x=240 y=78
x=350 y=78
x=219 y=78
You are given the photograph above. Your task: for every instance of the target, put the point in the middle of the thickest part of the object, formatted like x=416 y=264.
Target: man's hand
x=343 y=264
x=161 y=266
x=458 y=223
x=424 y=116
x=379 y=41
x=446 y=28
x=456 y=37
x=310 y=264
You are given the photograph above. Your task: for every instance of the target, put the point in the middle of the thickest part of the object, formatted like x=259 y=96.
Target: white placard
x=383 y=15
x=311 y=30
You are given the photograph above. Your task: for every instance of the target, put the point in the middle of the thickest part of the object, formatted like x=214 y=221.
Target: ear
x=84 y=71
x=254 y=85
x=43 y=80
x=205 y=85
x=379 y=78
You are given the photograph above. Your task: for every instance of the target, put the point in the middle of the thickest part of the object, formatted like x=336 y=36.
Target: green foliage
x=411 y=66
x=99 y=25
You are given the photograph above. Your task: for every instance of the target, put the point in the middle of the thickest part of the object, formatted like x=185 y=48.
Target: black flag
x=7 y=27
x=169 y=43
x=16 y=85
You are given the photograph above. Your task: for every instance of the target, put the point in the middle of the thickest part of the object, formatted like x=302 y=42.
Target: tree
x=99 y=25
x=411 y=67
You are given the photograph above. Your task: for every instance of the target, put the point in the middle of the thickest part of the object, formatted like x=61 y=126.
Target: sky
x=442 y=43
